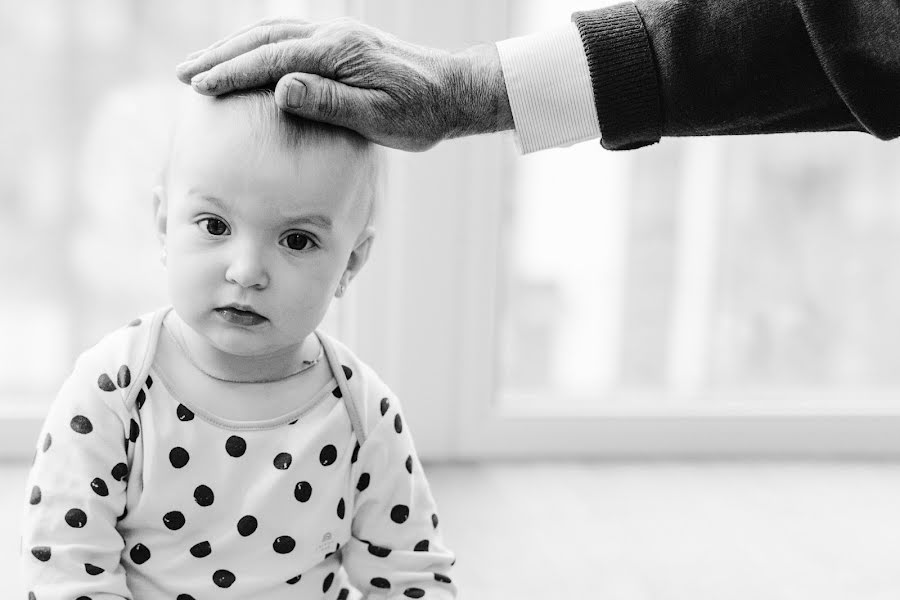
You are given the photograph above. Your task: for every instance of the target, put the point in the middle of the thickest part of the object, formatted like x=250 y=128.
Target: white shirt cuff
x=549 y=87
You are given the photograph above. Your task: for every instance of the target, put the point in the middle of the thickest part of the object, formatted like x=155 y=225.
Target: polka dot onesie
x=135 y=494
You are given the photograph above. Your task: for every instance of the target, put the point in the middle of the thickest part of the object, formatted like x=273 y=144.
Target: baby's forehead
x=251 y=127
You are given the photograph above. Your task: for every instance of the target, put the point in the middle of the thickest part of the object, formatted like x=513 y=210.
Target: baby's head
x=263 y=218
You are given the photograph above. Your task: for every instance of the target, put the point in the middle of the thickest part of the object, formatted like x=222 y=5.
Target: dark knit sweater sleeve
x=720 y=67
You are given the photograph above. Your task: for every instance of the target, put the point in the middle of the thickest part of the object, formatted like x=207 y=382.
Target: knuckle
x=327 y=102
x=273 y=59
x=264 y=34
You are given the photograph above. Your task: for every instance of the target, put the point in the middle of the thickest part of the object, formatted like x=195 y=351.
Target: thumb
x=321 y=99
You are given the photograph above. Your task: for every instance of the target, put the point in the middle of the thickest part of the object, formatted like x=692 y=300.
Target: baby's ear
x=360 y=253
x=160 y=211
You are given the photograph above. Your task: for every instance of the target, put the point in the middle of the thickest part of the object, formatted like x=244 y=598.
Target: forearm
x=476 y=91
x=723 y=67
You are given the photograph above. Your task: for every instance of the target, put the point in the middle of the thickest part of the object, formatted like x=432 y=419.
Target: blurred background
x=662 y=374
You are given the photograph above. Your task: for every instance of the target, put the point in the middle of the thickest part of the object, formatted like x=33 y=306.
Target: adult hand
x=346 y=73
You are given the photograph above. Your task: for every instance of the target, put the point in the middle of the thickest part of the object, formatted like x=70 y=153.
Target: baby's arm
x=76 y=492
x=396 y=549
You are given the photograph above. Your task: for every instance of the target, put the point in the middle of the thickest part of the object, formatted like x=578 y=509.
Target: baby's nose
x=247 y=268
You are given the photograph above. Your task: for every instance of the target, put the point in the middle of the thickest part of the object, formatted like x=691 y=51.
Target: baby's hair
x=280 y=131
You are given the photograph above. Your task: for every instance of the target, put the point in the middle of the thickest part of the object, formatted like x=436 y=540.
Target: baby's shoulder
x=369 y=393
x=120 y=361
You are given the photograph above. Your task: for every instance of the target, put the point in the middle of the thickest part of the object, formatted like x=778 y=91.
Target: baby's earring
x=342 y=287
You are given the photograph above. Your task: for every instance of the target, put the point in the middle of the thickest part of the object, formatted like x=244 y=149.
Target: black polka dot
x=123 y=515
x=179 y=457
x=294 y=580
x=347 y=372
x=399 y=513
x=81 y=424
x=99 y=487
x=247 y=525
x=42 y=553
x=135 y=431
x=184 y=597
x=184 y=413
x=174 y=520
x=363 y=482
x=422 y=546
x=441 y=578
x=123 y=377
x=93 y=569
x=235 y=446
x=31 y=596
x=336 y=392
x=149 y=382
x=35 y=496
x=434 y=520
x=379 y=551
x=328 y=578
x=302 y=491
x=141 y=398
x=201 y=550
x=105 y=383
x=293 y=422
x=385 y=405
x=203 y=495
x=381 y=583
x=140 y=554
x=414 y=592
x=409 y=464
x=355 y=453
x=47 y=441
x=119 y=472
x=75 y=517
x=282 y=461
x=223 y=578
x=82 y=598
x=283 y=544
x=340 y=509
x=328 y=455
x=343 y=594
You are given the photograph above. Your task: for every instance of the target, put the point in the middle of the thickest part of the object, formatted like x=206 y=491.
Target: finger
x=262 y=23
x=259 y=67
x=321 y=99
x=241 y=44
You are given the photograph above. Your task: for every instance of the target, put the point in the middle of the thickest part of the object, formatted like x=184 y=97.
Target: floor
x=646 y=531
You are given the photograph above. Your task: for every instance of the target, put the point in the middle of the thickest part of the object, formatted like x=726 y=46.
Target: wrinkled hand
x=346 y=73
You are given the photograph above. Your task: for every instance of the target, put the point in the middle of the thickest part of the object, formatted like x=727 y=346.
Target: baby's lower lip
x=240 y=317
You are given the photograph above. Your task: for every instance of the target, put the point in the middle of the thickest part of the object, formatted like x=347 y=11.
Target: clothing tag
x=327 y=544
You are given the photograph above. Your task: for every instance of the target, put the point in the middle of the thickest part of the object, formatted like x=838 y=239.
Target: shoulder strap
x=337 y=369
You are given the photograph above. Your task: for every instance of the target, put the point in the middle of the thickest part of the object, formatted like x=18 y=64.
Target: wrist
x=477 y=93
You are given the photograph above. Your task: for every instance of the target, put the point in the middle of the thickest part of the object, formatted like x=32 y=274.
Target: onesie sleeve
x=76 y=490
x=395 y=550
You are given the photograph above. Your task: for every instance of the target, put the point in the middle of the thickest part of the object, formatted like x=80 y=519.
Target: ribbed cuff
x=549 y=88
x=623 y=73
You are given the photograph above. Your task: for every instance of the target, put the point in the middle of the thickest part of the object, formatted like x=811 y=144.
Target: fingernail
x=296 y=92
x=201 y=81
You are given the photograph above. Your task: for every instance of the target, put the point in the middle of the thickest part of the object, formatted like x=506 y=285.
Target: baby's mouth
x=240 y=315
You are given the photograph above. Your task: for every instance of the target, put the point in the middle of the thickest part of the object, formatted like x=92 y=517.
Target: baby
x=222 y=447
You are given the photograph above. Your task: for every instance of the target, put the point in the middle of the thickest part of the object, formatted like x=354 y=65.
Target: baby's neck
x=232 y=368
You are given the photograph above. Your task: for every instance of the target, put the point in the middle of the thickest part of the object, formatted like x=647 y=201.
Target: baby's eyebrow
x=321 y=221
x=207 y=198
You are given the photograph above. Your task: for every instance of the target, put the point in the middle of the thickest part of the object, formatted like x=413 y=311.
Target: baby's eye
x=298 y=241
x=213 y=226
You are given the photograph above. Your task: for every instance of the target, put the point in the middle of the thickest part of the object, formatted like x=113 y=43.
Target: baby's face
x=258 y=236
